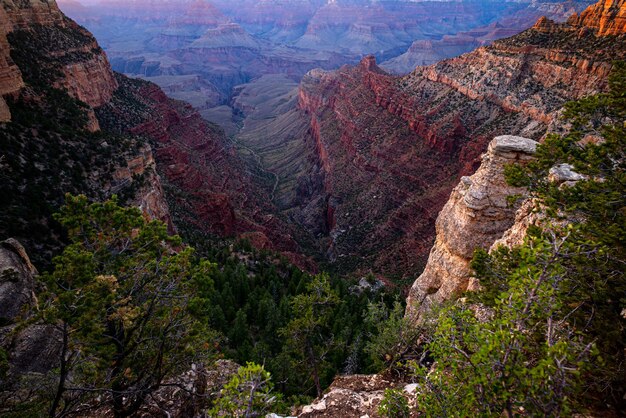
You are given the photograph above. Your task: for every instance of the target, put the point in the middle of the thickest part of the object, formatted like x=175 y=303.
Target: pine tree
x=306 y=332
x=119 y=296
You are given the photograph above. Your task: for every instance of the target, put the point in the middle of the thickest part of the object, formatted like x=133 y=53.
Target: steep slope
x=78 y=127
x=391 y=149
x=54 y=75
x=208 y=185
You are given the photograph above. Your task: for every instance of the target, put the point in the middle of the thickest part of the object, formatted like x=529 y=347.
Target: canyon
x=199 y=51
x=353 y=170
x=124 y=137
x=383 y=153
x=347 y=169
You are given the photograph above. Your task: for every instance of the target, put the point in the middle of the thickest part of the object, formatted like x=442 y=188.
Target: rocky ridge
x=477 y=215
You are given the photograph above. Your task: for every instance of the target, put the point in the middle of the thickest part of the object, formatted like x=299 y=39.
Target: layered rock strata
x=74 y=61
x=407 y=140
x=55 y=76
x=477 y=213
x=608 y=17
x=10 y=75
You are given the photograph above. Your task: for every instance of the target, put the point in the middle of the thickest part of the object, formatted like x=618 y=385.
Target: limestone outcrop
x=29 y=349
x=354 y=396
x=477 y=213
x=17 y=280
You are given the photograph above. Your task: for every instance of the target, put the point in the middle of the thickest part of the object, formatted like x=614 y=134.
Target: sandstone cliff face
x=608 y=17
x=476 y=214
x=74 y=61
x=25 y=13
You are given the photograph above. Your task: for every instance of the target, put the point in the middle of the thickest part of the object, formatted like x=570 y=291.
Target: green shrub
x=394 y=405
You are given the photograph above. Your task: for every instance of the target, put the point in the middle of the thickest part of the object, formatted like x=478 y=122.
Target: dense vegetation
x=261 y=304
x=133 y=307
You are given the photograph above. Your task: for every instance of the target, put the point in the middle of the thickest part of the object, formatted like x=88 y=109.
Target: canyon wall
x=10 y=75
x=209 y=187
x=55 y=76
x=74 y=61
x=392 y=148
x=536 y=72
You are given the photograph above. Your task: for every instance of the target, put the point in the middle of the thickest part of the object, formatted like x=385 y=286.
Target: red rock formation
x=608 y=17
x=392 y=148
x=213 y=192
x=531 y=74
x=385 y=176
x=10 y=75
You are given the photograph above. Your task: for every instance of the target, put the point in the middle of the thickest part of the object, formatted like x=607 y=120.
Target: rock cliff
x=144 y=141
x=608 y=17
x=53 y=78
x=536 y=70
x=31 y=348
x=73 y=60
x=477 y=213
x=10 y=75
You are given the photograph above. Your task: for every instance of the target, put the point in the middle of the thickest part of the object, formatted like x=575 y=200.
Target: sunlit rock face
x=608 y=17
